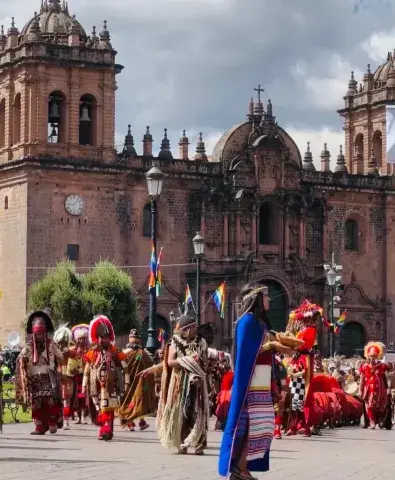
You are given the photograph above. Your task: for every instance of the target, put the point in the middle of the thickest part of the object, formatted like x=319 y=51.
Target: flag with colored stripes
x=188 y=296
x=152 y=269
x=219 y=299
x=159 y=274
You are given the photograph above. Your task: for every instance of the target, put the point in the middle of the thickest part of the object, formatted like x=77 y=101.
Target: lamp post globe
x=154 y=182
x=331 y=277
x=198 y=246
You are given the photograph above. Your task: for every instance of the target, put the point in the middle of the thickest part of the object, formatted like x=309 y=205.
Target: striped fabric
x=257 y=416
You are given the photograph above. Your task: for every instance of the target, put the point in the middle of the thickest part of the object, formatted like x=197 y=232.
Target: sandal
x=182 y=451
x=239 y=474
x=199 y=452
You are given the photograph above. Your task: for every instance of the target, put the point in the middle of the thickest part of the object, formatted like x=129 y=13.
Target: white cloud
x=327 y=91
x=317 y=138
x=379 y=44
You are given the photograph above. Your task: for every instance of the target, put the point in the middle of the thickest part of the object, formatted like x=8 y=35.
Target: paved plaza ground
x=348 y=453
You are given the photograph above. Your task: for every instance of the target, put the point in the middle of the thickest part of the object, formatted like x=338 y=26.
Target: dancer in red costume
x=223 y=400
x=37 y=378
x=303 y=323
x=101 y=380
x=374 y=384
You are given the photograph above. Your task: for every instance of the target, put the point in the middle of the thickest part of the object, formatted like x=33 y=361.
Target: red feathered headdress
x=99 y=327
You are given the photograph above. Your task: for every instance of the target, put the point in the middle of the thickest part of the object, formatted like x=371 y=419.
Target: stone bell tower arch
x=57 y=88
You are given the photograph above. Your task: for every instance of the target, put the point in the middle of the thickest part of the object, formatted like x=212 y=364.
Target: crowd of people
x=275 y=384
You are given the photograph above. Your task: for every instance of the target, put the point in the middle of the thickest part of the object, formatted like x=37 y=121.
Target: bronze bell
x=84 y=114
x=54 y=133
x=54 y=115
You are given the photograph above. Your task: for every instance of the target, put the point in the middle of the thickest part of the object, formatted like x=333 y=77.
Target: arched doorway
x=161 y=324
x=278 y=306
x=352 y=339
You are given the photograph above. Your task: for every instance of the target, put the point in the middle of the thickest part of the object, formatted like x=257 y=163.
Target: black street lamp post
x=331 y=279
x=198 y=246
x=154 y=183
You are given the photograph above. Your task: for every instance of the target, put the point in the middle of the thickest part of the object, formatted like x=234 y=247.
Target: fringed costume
x=140 y=399
x=74 y=372
x=374 y=385
x=37 y=379
x=103 y=376
x=63 y=338
x=183 y=412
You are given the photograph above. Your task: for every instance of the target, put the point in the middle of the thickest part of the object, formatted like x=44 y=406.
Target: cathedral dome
x=383 y=71
x=54 y=19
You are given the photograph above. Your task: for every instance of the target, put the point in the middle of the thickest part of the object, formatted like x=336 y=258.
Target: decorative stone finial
x=308 y=163
x=183 y=144
x=250 y=114
x=165 y=152
x=105 y=37
x=325 y=159
x=352 y=86
x=201 y=149
x=269 y=108
x=341 y=162
x=368 y=68
x=129 y=149
x=147 y=143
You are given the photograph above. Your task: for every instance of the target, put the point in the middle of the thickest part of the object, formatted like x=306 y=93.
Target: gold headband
x=254 y=292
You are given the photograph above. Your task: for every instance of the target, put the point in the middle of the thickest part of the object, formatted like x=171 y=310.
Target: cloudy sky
x=193 y=64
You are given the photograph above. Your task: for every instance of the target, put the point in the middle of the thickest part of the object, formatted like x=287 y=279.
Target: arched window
x=88 y=120
x=147 y=221
x=6 y=203
x=351 y=235
x=268 y=224
x=378 y=147
x=2 y=123
x=17 y=120
x=57 y=117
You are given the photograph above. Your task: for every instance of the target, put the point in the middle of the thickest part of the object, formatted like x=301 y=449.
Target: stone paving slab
x=348 y=453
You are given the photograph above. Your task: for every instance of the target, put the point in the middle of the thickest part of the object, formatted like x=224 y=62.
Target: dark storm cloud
x=193 y=64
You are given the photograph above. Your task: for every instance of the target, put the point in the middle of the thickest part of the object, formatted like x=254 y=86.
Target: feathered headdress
x=80 y=331
x=375 y=349
x=99 y=327
x=63 y=336
x=306 y=315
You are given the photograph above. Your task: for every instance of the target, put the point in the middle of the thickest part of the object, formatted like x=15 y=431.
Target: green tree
x=109 y=290
x=75 y=298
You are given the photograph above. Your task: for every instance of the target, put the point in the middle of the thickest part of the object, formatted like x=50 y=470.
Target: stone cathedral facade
x=265 y=212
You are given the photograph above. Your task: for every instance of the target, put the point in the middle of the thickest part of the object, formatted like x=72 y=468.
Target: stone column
x=238 y=233
x=226 y=235
x=302 y=234
x=203 y=220
x=286 y=233
x=325 y=255
x=254 y=230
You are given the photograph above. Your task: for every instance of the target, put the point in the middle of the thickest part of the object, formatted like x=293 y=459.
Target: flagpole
x=212 y=296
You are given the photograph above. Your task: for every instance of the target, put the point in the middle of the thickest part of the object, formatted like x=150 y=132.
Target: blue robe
x=249 y=335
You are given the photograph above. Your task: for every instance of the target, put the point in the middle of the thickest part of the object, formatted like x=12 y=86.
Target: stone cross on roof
x=259 y=90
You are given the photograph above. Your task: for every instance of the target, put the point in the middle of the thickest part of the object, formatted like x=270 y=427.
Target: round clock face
x=74 y=205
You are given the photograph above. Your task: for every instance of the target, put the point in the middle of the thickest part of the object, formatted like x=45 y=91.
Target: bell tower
x=57 y=89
